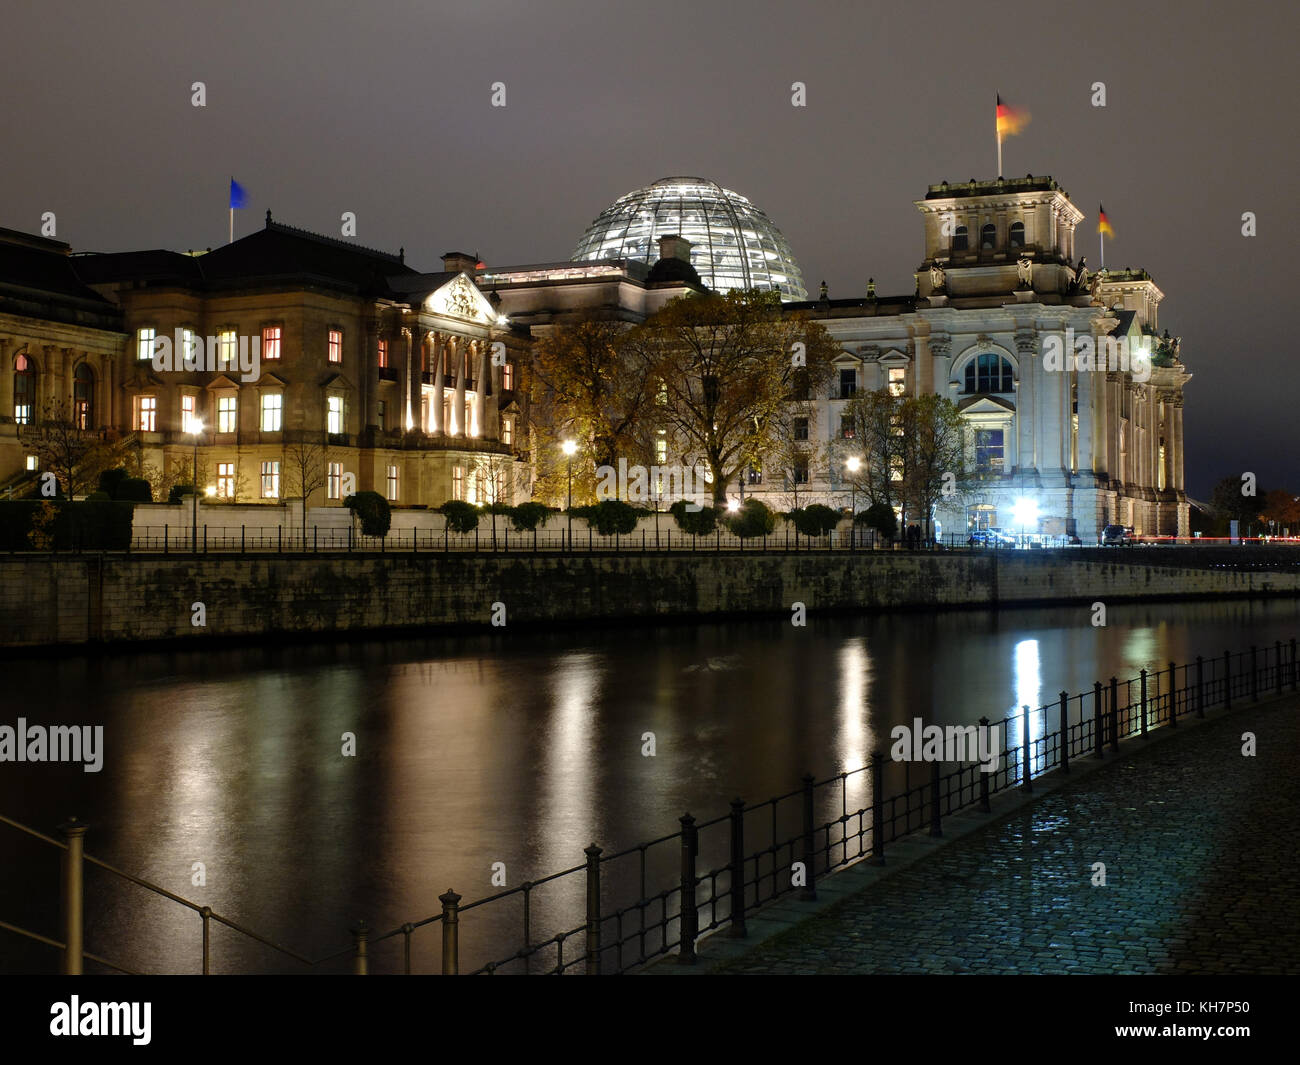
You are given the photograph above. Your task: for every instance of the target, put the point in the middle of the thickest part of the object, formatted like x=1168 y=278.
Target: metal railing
x=669 y=891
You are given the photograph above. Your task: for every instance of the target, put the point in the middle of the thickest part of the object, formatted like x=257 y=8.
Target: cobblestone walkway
x=1202 y=875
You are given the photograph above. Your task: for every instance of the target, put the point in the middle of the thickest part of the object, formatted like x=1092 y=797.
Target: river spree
x=511 y=751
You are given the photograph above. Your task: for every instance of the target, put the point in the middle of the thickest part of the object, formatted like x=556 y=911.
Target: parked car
x=1116 y=536
x=990 y=538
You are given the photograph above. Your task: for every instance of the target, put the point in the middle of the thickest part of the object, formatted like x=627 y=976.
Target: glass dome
x=735 y=245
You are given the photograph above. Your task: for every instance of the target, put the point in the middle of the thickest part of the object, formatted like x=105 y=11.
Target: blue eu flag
x=238 y=197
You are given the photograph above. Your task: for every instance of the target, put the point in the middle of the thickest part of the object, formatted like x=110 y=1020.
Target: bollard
x=1114 y=714
x=1227 y=680
x=593 y=910
x=450 y=933
x=1277 y=658
x=689 y=918
x=360 y=960
x=809 y=891
x=206 y=914
x=1098 y=731
x=1173 y=695
x=74 y=833
x=1200 y=686
x=877 y=808
x=935 y=828
x=984 y=777
x=1254 y=675
x=1027 y=770
x=1065 y=732
x=738 y=929
x=1144 y=702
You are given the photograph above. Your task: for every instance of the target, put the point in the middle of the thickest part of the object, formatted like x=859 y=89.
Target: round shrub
x=700 y=522
x=373 y=510
x=815 y=520
x=754 y=518
x=179 y=492
x=110 y=480
x=461 y=516
x=134 y=490
x=612 y=516
x=881 y=517
x=527 y=516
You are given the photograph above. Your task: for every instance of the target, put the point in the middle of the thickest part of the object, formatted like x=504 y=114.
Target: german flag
x=1103 y=223
x=1010 y=119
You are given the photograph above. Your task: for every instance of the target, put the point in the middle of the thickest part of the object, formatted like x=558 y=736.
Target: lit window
x=271 y=337
x=382 y=357
x=661 y=452
x=801 y=428
x=392 y=483
x=83 y=397
x=189 y=348
x=271 y=407
x=146 y=414
x=226 y=480
x=989 y=451
x=661 y=396
x=846 y=428
x=335 y=346
x=458 y=482
x=227 y=349
x=507 y=377
x=507 y=431
x=226 y=414
x=334 y=480
x=989 y=373
x=24 y=389
x=31 y=462
x=897 y=380
x=187 y=414
x=755 y=475
x=334 y=414
x=270 y=480
x=144 y=345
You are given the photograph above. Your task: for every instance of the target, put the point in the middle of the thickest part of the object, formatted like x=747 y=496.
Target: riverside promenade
x=1199 y=846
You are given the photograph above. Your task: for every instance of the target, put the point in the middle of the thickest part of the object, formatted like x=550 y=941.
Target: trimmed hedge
x=610 y=517
x=93 y=525
x=373 y=510
x=881 y=517
x=134 y=490
x=527 y=516
x=815 y=520
x=754 y=518
x=461 y=517
x=700 y=522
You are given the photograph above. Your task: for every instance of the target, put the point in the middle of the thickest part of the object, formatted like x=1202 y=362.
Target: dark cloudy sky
x=384 y=108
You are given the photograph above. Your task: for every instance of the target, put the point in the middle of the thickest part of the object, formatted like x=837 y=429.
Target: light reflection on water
x=519 y=750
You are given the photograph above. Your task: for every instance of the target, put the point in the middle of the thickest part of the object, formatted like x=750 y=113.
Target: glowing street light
x=570 y=448
x=1024 y=512
x=733 y=505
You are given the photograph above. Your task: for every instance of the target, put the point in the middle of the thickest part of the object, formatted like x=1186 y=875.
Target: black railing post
x=1173 y=694
x=738 y=929
x=984 y=777
x=166 y=538
x=1065 y=732
x=1277 y=661
x=1254 y=674
x=689 y=917
x=1200 y=686
x=450 y=933
x=1144 y=702
x=1027 y=771
x=593 y=910
x=360 y=960
x=1098 y=733
x=877 y=808
x=315 y=542
x=809 y=891
x=1293 y=664
x=241 y=539
x=936 y=828
x=1114 y=714
x=1227 y=680
x=73 y=899
x=206 y=914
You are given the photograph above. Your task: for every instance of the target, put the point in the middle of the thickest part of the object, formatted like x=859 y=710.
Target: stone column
x=438 y=422
x=458 y=398
x=7 y=356
x=481 y=382
x=1087 y=461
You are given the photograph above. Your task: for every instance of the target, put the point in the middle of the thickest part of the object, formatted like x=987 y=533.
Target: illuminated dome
x=735 y=245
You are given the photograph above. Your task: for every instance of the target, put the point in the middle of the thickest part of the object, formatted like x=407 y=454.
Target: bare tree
x=304 y=471
x=74 y=455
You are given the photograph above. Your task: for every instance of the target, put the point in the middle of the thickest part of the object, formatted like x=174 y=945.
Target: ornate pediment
x=460 y=298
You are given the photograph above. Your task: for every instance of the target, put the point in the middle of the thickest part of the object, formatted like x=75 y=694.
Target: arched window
x=988 y=234
x=83 y=397
x=24 y=390
x=960 y=239
x=1016 y=238
x=989 y=373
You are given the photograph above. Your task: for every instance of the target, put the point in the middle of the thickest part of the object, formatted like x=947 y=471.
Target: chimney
x=456 y=261
x=674 y=246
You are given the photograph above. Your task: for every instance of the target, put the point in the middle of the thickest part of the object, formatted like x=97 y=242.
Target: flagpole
x=999 y=154
x=1101 y=238
x=232 y=227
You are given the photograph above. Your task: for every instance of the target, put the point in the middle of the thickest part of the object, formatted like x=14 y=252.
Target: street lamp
x=854 y=464
x=196 y=428
x=570 y=447
x=1024 y=512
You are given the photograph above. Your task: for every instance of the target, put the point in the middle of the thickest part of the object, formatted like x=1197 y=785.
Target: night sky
x=384 y=108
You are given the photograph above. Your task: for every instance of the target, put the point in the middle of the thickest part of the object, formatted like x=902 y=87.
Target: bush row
x=45 y=524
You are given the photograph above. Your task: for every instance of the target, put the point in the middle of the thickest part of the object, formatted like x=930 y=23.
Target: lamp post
x=196 y=428
x=854 y=464
x=570 y=447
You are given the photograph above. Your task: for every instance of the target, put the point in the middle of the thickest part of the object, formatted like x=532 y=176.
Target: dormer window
x=1016 y=237
x=988 y=234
